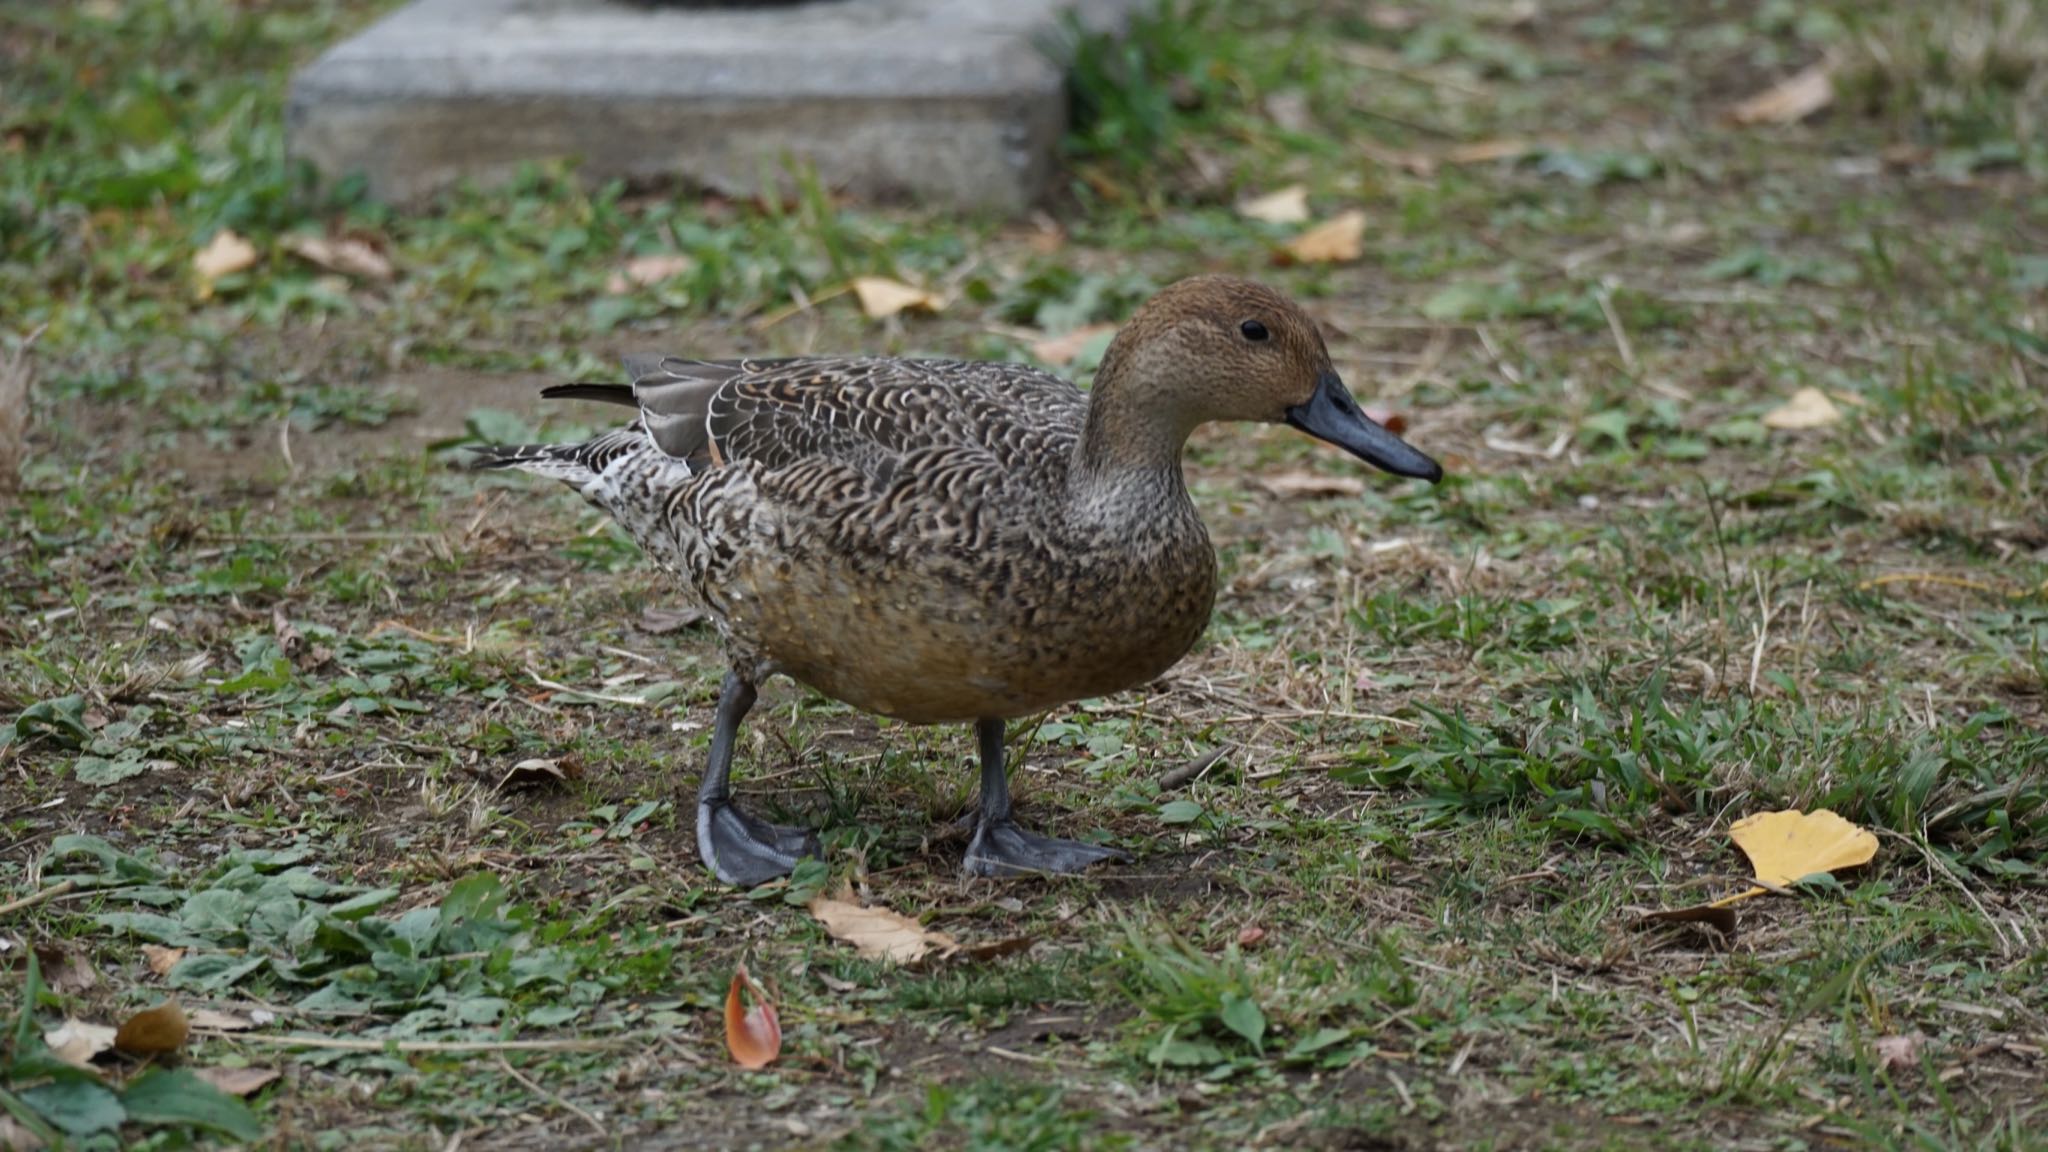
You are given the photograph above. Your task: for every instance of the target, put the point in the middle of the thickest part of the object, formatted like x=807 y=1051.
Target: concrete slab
x=948 y=101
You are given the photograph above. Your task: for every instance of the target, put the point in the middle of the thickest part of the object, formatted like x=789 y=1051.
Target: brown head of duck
x=1215 y=348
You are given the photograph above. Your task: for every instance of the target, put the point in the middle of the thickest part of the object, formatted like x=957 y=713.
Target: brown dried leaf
x=1808 y=408
x=1898 y=1052
x=880 y=932
x=1289 y=111
x=1334 y=241
x=161 y=959
x=1487 y=151
x=218 y=1021
x=647 y=271
x=15 y=1138
x=1063 y=349
x=66 y=970
x=347 y=256
x=752 y=1034
x=540 y=772
x=154 y=1031
x=237 y=1081
x=76 y=1042
x=1287 y=206
x=1790 y=100
x=1310 y=484
x=289 y=641
x=1720 y=919
x=1250 y=935
x=881 y=297
x=17 y=378
x=225 y=255
x=995 y=949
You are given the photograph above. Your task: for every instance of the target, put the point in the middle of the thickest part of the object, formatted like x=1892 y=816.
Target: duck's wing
x=864 y=413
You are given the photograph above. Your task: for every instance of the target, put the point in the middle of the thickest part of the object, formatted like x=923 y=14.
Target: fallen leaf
x=881 y=297
x=1289 y=111
x=1308 y=484
x=76 y=1042
x=15 y=1138
x=67 y=972
x=535 y=772
x=154 y=1031
x=661 y=621
x=1487 y=151
x=1063 y=349
x=289 y=640
x=1789 y=101
x=1784 y=846
x=879 y=932
x=348 y=256
x=219 y=1021
x=753 y=1035
x=161 y=959
x=1387 y=418
x=237 y=1081
x=1808 y=408
x=647 y=271
x=1334 y=241
x=1720 y=919
x=1287 y=206
x=995 y=949
x=17 y=381
x=224 y=255
x=1898 y=1052
x=1249 y=935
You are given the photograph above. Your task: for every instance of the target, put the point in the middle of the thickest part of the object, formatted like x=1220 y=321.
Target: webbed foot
x=747 y=851
x=1001 y=848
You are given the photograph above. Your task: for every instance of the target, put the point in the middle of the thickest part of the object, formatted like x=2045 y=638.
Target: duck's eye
x=1253 y=330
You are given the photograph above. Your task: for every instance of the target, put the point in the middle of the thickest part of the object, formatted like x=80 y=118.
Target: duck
x=948 y=541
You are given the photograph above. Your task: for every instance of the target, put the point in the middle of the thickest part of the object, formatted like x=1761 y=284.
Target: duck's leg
x=1000 y=847
x=738 y=848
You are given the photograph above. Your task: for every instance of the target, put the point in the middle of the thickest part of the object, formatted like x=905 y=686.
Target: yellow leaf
x=161 y=959
x=879 y=932
x=1784 y=846
x=881 y=297
x=1334 y=241
x=1789 y=101
x=753 y=1035
x=224 y=255
x=1808 y=408
x=1287 y=206
x=154 y=1031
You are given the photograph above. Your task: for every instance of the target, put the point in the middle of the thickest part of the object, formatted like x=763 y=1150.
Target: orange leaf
x=753 y=1035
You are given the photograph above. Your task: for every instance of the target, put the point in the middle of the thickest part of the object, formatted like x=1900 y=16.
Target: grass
x=267 y=663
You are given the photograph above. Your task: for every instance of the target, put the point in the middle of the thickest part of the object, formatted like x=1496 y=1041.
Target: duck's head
x=1221 y=348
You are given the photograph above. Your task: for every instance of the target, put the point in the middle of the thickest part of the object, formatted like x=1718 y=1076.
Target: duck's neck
x=1129 y=438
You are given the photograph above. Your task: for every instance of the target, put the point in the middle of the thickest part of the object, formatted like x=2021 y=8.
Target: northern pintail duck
x=946 y=541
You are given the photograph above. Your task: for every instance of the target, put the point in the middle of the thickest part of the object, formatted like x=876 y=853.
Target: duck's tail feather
x=581 y=464
x=583 y=390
